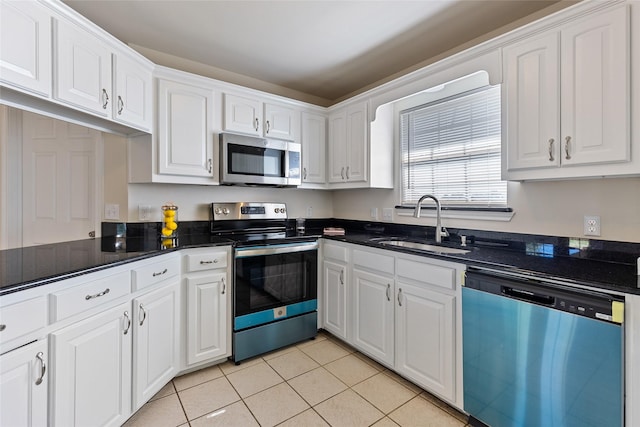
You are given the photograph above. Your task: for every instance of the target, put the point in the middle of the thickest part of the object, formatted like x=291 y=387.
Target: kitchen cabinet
x=314 y=143
x=133 y=93
x=348 y=138
x=566 y=100
x=372 y=305
x=25 y=46
x=252 y=116
x=24 y=385
x=208 y=295
x=92 y=370
x=185 y=129
x=334 y=289
x=156 y=339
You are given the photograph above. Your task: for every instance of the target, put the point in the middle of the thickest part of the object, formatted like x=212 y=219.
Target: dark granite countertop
x=594 y=263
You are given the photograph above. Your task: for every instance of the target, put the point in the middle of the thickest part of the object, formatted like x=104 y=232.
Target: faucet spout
x=416 y=214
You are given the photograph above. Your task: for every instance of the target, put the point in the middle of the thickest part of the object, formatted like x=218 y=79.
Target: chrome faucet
x=440 y=231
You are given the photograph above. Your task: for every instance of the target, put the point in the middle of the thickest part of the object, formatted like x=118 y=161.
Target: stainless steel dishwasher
x=541 y=354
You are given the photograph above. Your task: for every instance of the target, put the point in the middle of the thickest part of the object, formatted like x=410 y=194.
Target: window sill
x=478 y=214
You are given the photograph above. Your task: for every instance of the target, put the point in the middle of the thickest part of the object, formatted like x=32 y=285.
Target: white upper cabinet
x=185 y=129
x=314 y=144
x=133 y=92
x=566 y=100
x=25 y=46
x=82 y=69
x=348 y=144
x=252 y=116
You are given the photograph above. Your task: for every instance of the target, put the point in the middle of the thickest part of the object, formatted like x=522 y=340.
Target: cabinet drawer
x=206 y=260
x=151 y=274
x=23 y=317
x=435 y=275
x=75 y=300
x=374 y=261
x=335 y=252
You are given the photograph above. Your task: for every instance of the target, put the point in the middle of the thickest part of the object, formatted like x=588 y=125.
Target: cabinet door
x=281 y=122
x=156 y=325
x=25 y=46
x=207 y=326
x=335 y=297
x=531 y=103
x=314 y=142
x=595 y=89
x=23 y=386
x=372 y=311
x=132 y=93
x=357 y=138
x=92 y=370
x=425 y=344
x=82 y=69
x=337 y=146
x=185 y=134
x=242 y=115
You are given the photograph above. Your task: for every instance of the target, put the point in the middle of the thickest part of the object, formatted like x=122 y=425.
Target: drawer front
x=151 y=274
x=335 y=252
x=75 y=300
x=23 y=317
x=374 y=261
x=206 y=260
x=436 y=275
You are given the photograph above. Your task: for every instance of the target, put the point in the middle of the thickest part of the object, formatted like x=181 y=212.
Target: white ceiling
x=325 y=49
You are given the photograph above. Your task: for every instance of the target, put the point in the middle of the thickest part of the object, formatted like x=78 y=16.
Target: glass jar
x=169 y=221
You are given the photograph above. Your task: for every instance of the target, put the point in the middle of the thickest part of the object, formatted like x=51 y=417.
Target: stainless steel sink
x=423 y=247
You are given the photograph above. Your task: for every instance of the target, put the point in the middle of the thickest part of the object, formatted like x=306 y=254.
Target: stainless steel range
x=275 y=277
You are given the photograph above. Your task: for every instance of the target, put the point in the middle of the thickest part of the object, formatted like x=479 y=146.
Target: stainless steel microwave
x=249 y=160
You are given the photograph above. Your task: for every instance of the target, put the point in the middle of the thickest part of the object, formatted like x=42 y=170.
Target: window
x=451 y=149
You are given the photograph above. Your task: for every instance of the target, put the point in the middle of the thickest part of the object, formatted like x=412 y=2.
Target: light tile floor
x=321 y=382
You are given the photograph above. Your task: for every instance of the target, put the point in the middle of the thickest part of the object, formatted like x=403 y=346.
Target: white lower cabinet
x=24 y=386
x=334 y=298
x=156 y=329
x=92 y=370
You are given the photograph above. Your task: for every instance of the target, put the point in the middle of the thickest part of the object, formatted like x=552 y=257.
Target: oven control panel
x=248 y=210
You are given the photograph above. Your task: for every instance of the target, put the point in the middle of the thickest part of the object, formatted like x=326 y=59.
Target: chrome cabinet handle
x=268 y=126
x=105 y=99
x=400 y=297
x=126 y=316
x=160 y=273
x=43 y=367
x=342 y=277
x=551 y=141
x=257 y=125
x=3 y=327
x=224 y=286
x=144 y=314
x=98 y=295
x=304 y=173
x=120 y=105
x=348 y=172
x=388 y=289
x=566 y=148
x=210 y=163
x=342 y=172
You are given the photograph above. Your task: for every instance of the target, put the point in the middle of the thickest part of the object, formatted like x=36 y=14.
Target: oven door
x=274 y=282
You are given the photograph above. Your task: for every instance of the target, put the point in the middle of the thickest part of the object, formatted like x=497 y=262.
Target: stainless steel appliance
x=275 y=277
x=250 y=160
x=541 y=354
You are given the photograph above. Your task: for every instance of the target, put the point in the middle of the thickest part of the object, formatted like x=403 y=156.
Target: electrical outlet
x=387 y=214
x=112 y=211
x=374 y=213
x=309 y=212
x=591 y=225
x=144 y=212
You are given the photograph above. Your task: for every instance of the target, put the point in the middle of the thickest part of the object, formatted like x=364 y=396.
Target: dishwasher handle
x=524 y=295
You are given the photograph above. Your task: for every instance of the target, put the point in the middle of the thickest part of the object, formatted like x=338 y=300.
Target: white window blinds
x=451 y=149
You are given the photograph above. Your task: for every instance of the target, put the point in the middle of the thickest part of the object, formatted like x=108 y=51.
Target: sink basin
x=424 y=247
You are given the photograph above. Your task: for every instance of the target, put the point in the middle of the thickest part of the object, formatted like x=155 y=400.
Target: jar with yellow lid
x=169 y=221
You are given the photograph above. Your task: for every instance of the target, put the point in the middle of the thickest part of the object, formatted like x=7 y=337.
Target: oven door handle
x=275 y=249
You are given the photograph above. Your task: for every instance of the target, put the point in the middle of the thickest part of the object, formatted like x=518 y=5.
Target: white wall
x=548 y=208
